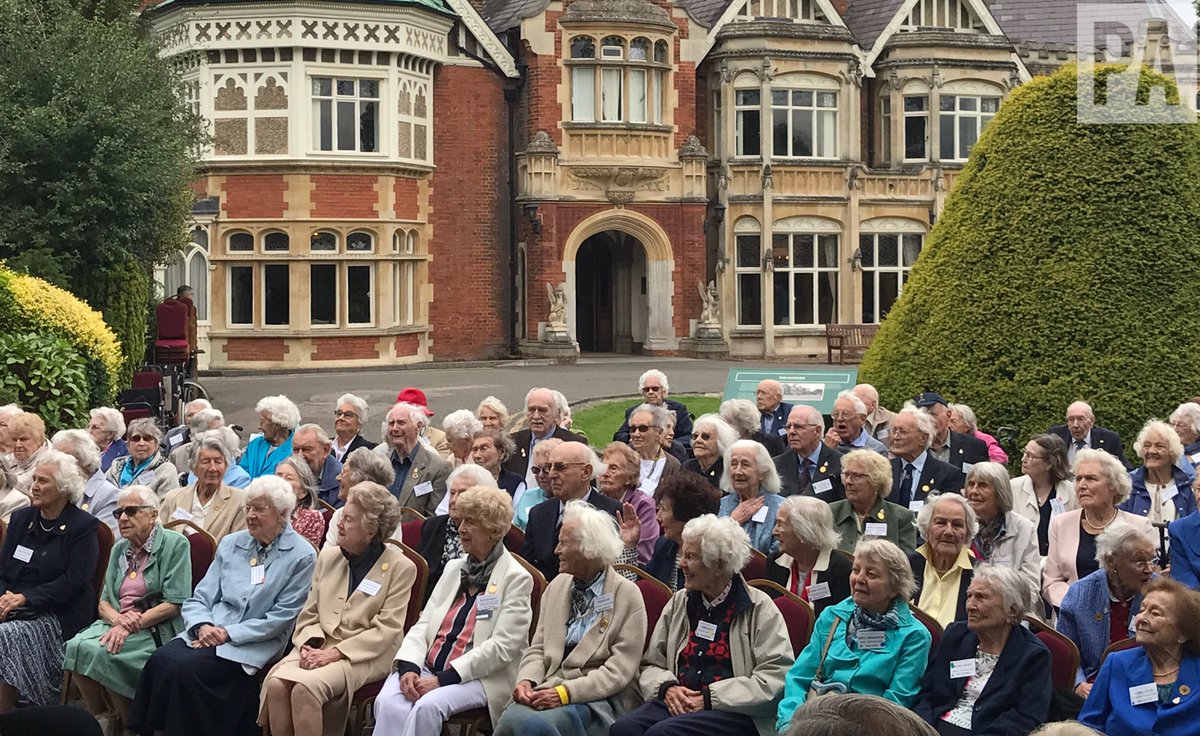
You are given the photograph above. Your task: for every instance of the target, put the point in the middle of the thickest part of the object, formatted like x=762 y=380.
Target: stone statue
x=710 y=311
x=558 y=305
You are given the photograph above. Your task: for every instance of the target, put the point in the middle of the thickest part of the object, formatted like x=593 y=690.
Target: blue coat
x=761 y=537
x=1016 y=698
x=327 y=485
x=1109 y=709
x=258 y=618
x=1139 y=500
x=1185 y=550
x=260 y=458
x=1086 y=600
x=663 y=564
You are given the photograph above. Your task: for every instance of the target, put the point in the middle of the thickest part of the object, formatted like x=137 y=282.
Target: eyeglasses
x=648 y=389
x=128 y=511
x=843 y=415
x=706 y=436
x=348 y=414
x=901 y=432
x=793 y=425
x=560 y=467
x=539 y=469
x=1027 y=455
x=142 y=438
x=641 y=428
x=256 y=509
x=851 y=475
x=1149 y=564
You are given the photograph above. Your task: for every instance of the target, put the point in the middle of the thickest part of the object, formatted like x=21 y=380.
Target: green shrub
x=1061 y=269
x=120 y=292
x=46 y=375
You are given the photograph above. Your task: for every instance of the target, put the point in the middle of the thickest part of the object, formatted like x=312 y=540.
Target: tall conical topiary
x=1063 y=267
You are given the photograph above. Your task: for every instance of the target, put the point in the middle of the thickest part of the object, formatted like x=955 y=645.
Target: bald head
x=768 y=395
x=869 y=396
x=805 y=427
x=572 y=465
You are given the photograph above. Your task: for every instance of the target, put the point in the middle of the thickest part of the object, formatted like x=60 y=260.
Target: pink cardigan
x=1059 y=572
x=995 y=453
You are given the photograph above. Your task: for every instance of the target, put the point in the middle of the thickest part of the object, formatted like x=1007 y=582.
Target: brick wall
x=254 y=196
x=255 y=348
x=345 y=348
x=345 y=195
x=406 y=345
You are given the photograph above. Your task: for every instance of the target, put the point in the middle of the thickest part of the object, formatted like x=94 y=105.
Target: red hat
x=415 y=396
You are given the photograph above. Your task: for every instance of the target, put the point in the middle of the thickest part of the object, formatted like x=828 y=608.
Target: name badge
x=967 y=467
x=706 y=630
x=875 y=529
x=183 y=514
x=916 y=506
x=369 y=587
x=818 y=591
x=1142 y=694
x=960 y=668
x=603 y=603
x=422 y=489
x=487 y=602
x=1002 y=561
x=1194 y=458
x=870 y=639
x=1170 y=492
x=782 y=431
x=882 y=434
x=1056 y=507
x=823 y=486
x=258 y=574
x=23 y=553
x=147 y=478
x=761 y=515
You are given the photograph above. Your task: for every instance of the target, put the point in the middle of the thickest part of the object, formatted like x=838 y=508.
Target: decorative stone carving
x=766 y=70
x=558 y=305
x=619 y=198
x=619 y=183
x=692 y=149
x=853 y=73
x=542 y=144
x=710 y=301
x=768 y=179
x=271 y=96
x=230 y=96
x=935 y=78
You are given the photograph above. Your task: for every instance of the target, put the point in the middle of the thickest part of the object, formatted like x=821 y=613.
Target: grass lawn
x=600 y=421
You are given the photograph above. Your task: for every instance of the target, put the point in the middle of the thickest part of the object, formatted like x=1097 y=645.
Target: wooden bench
x=848 y=337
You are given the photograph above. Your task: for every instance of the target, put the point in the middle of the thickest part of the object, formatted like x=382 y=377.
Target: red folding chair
x=203 y=547
x=171 y=345
x=756 y=566
x=514 y=540
x=655 y=595
x=935 y=629
x=410 y=532
x=797 y=613
x=1064 y=655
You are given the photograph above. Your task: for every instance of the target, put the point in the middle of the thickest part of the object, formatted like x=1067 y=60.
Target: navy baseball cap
x=929 y=398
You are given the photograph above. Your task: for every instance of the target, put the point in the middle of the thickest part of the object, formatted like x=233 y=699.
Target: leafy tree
x=1060 y=269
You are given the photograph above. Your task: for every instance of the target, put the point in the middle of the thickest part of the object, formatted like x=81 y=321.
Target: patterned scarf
x=132 y=552
x=871 y=621
x=452 y=548
x=475 y=574
x=989 y=533
x=582 y=595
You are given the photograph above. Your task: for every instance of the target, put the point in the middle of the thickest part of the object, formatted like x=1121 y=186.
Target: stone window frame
x=958 y=115
x=900 y=229
x=342 y=293
x=747 y=83
x=380 y=77
x=657 y=67
x=814 y=111
x=749 y=228
x=408 y=258
x=829 y=273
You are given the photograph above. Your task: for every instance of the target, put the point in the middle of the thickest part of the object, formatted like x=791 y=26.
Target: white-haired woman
x=567 y=686
x=806 y=563
x=711 y=437
x=461 y=427
x=720 y=651
x=99 y=495
x=306 y=519
x=278 y=418
x=647 y=425
x=1005 y=538
x=943 y=565
x=46 y=590
x=866 y=512
x=145 y=464
x=10 y=498
x=209 y=503
x=963 y=421
x=619 y=481
x=27 y=435
x=235 y=476
x=349 y=415
x=440 y=542
x=1185 y=420
x=106 y=425
x=989 y=675
x=493 y=413
x=539 y=469
x=752 y=498
x=7 y=412
x=237 y=621
x=1101 y=485
x=1159 y=488
x=869 y=643
x=744 y=417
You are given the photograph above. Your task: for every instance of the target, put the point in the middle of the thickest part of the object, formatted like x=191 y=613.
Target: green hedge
x=1060 y=269
x=121 y=292
x=47 y=375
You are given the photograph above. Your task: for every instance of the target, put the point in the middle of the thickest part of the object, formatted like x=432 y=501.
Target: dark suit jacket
x=433 y=541
x=357 y=442
x=829 y=467
x=780 y=417
x=712 y=475
x=837 y=576
x=58 y=577
x=663 y=564
x=519 y=462
x=1102 y=439
x=774 y=444
x=1016 y=698
x=935 y=476
x=509 y=481
x=683 y=424
x=541 y=533
x=967 y=449
x=917 y=561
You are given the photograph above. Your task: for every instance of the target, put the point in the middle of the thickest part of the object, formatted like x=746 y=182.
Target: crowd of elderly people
x=932 y=577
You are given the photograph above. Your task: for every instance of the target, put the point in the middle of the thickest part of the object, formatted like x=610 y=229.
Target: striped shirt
x=454 y=635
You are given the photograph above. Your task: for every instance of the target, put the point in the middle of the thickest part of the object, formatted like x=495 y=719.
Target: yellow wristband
x=562 y=694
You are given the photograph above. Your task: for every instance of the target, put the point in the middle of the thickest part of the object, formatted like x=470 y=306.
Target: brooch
x=925 y=488
x=822 y=468
x=879 y=515
x=384 y=567
x=1184 y=690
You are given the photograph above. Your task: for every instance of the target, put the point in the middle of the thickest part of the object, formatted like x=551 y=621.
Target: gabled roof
x=438 y=5
x=502 y=15
x=866 y=19
x=706 y=12
x=485 y=36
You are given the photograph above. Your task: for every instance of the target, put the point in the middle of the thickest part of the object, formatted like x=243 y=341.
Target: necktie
x=906 y=485
x=804 y=487
x=1078 y=445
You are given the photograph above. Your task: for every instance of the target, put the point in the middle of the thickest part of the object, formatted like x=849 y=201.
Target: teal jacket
x=893 y=672
x=169 y=571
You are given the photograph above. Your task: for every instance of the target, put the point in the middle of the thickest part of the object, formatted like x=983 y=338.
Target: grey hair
x=724 y=545
x=11 y=410
x=504 y=445
x=654 y=373
x=68 y=477
x=1066 y=728
x=545 y=447
x=811 y=521
x=742 y=415
x=145 y=425
x=967 y=414
x=1188 y=413
x=201 y=419
x=1114 y=543
x=308 y=481
x=416 y=414
x=202 y=403
x=560 y=402
x=1167 y=432
x=210 y=440
x=924 y=421
x=724 y=433
x=766 y=466
x=364 y=464
x=380 y=509
x=925 y=516
x=360 y=406
x=561 y=399
x=1112 y=470
x=109 y=416
x=596 y=534
x=274 y=489
x=461 y=425
x=496 y=405
x=318 y=432
x=860 y=407
x=145 y=493
x=477 y=474
x=995 y=475
x=814 y=417
x=78 y=444
x=658 y=415
x=853 y=714
x=280 y=411
x=1013 y=589
x=895 y=562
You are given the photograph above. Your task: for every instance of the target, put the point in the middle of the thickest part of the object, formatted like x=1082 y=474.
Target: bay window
x=806 y=271
x=625 y=82
x=804 y=123
x=961 y=118
x=887 y=259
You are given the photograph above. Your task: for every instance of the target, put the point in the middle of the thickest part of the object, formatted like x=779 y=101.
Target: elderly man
x=315 y=447
x=654 y=388
x=809 y=467
x=915 y=472
x=768 y=397
x=849 y=426
x=178 y=435
x=572 y=467
x=960 y=450
x=544 y=411
x=879 y=419
x=1080 y=432
x=421 y=473
x=99 y=495
x=431 y=434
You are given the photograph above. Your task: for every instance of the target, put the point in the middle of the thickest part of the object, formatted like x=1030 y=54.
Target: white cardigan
x=1025 y=500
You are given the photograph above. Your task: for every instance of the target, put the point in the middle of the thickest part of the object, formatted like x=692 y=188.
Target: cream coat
x=1018 y=549
x=496 y=644
x=1060 y=573
x=226 y=514
x=1025 y=500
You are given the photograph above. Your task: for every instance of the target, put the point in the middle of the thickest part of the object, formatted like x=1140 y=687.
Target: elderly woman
x=564 y=689
x=464 y=651
x=1151 y=689
x=493 y=413
x=237 y=621
x=354 y=615
x=868 y=644
x=1099 y=610
x=10 y=498
x=27 y=434
x=235 y=477
x=1101 y=485
x=348 y=419
x=744 y=417
x=360 y=466
x=489 y=449
x=943 y=566
x=752 y=497
x=107 y=427
x=855 y=715
x=46 y=590
x=7 y=412
x=989 y=675
x=719 y=652
x=963 y=421
x=306 y=519
x=1045 y=489
x=461 y=427
x=711 y=437
x=867 y=478
x=539 y=468
x=208 y=503
x=806 y=563
x=647 y=424
x=278 y=418
x=145 y=464
x=202 y=421
x=681 y=498
x=99 y=495
x=1159 y=488
x=1005 y=538
x=1185 y=420
x=149 y=577
x=440 y=542
x=619 y=481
